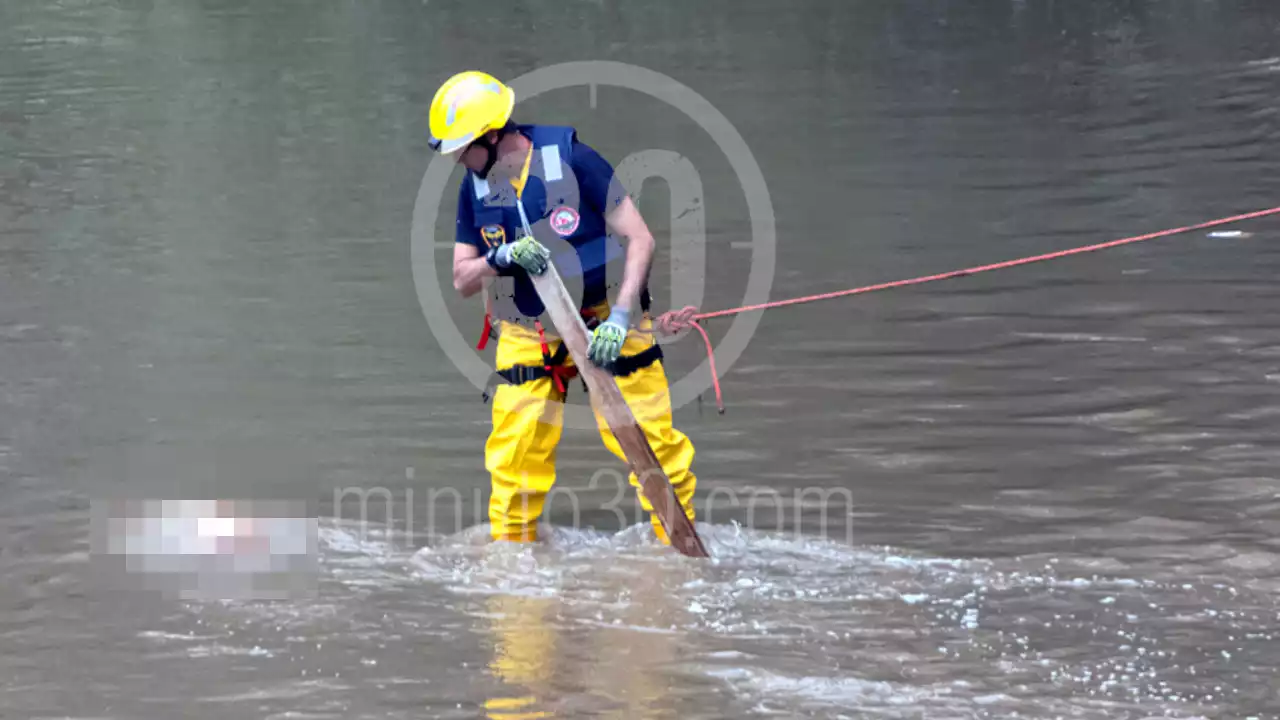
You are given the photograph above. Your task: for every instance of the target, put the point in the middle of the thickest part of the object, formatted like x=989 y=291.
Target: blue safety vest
x=561 y=219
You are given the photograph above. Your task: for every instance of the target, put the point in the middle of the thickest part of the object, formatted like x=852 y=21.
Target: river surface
x=1045 y=492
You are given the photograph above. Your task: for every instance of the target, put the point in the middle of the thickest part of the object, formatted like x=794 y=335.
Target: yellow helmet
x=467 y=106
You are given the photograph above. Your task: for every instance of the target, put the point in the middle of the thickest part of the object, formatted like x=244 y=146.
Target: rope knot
x=676 y=321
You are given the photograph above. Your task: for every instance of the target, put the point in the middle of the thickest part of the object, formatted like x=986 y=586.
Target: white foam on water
x=214 y=650
x=827 y=691
x=756 y=585
x=803 y=622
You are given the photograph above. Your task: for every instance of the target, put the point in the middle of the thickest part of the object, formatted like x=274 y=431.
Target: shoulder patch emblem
x=493 y=234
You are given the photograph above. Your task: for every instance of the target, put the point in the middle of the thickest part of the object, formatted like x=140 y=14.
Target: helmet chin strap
x=491 y=148
x=488 y=165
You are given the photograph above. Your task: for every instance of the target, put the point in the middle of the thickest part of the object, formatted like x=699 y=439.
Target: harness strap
x=553 y=363
x=546 y=358
x=520 y=374
x=626 y=365
x=485 y=333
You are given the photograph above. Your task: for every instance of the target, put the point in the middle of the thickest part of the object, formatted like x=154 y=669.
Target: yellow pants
x=520 y=453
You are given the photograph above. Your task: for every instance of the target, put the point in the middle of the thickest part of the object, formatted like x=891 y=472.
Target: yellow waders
x=520 y=453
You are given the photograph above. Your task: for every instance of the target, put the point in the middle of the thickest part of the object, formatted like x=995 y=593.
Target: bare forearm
x=639 y=258
x=626 y=221
x=469 y=275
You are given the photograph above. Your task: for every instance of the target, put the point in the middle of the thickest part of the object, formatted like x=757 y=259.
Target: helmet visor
x=448 y=147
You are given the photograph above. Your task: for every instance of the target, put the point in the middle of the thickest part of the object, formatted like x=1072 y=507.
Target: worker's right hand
x=525 y=252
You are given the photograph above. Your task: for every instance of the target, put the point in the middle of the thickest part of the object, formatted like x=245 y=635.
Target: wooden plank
x=609 y=402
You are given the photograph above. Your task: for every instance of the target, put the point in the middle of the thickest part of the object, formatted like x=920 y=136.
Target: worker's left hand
x=607 y=340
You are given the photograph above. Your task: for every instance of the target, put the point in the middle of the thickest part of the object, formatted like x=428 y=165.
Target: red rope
x=711 y=358
x=673 y=322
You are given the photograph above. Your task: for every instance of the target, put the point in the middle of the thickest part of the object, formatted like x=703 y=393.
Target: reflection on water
x=619 y=665
x=523 y=653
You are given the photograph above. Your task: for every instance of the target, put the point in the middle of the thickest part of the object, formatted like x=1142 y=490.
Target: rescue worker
x=529 y=191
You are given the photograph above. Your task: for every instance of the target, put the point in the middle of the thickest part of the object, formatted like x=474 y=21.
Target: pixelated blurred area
x=207 y=549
